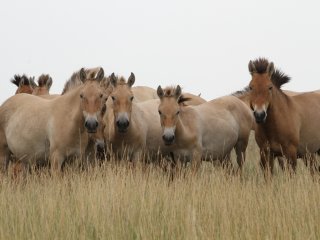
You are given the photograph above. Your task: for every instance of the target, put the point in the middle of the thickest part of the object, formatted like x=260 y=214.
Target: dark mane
x=75 y=80
x=43 y=79
x=169 y=91
x=242 y=92
x=278 y=78
x=17 y=79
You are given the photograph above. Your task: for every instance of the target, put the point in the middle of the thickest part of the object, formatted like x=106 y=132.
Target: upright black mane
x=261 y=65
x=17 y=79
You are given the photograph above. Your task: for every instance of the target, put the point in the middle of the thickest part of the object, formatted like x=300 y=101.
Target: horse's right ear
x=177 y=93
x=32 y=82
x=49 y=83
x=160 y=92
x=252 y=67
x=100 y=75
x=113 y=80
x=83 y=75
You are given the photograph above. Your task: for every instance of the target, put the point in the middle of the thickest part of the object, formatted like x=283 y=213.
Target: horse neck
x=183 y=128
x=71 y=103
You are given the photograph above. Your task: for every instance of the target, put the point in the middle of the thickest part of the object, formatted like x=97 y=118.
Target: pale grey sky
x=204 y=46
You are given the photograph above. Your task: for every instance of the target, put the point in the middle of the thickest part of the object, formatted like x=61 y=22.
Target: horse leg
x=266 y=162
x=196 y=160
x=291 y=155
x=56 y=161
x=240 y=149
x=281 y=161
x=4 y=154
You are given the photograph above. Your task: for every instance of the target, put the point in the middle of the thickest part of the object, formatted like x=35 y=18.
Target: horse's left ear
x=100 y=75
x=83 y=75
x=131 y=80
x=113 y=80
x=270 y=69
x=177 y=93
x=160 y=92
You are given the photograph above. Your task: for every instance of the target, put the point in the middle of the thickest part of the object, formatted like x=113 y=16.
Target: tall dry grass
x=116 y=202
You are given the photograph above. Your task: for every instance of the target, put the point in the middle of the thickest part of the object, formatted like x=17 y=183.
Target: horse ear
x=83 y=75
x=252 y=68
x=160 y=92
x=131 y=80
x=177 y=93
x=113 y=80
x=270 y=69
x=32 y=82
x=100 y=75
x=49 y=83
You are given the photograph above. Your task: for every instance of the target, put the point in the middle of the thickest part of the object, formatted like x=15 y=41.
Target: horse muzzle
x=91 y=125
x=122 y=125
x=260 y=116
x=168 y=136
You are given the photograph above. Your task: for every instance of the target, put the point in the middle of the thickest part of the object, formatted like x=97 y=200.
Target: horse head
x=122 y=98
x=92 y=99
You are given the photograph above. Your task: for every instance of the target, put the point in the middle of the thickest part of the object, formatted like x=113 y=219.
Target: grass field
x=115 y=202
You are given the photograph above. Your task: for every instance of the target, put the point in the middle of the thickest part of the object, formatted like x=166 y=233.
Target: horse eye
x=113 y=98
x=131 y=98
x=159 y=112
x=270 y=88
x=101 y=95
x=178 y=113
x=250 y=88
x=81 y=95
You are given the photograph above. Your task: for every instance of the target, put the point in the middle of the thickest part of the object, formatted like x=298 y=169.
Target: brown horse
x=207 y=131
x=61 y=130
x=43 y=86
x=286 y=125
x=23 y=83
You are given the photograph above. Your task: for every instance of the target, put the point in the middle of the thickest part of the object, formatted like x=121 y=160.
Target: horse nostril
x=91 y=125
x=168 y=138
x=259 y=116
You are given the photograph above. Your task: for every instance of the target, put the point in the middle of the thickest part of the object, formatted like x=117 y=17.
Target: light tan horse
x=208 y=131
x=125 y=130
x=43 y=86
x=23 y=83
x=60 y=131
x=286 y=125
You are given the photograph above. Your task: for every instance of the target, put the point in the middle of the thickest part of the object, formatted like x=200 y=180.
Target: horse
x=23 y=83
x=61 y=130
x=286 y=125
x=43 y=86
x=208 y=131
x=125 y=130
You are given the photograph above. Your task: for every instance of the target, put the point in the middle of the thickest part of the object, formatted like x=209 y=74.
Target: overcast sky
x=204 y=46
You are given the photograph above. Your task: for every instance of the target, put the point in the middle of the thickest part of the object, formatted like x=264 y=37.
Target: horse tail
x=45 y=81
x=20 y=80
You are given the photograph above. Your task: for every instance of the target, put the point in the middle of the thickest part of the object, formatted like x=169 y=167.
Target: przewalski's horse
x=208 y=131
x=286 y=125
x=23 y=83
x=125 y=128
x=43 y=86
x=61 y=130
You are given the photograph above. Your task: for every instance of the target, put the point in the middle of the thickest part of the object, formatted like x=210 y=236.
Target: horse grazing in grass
x=23 y=83
x=208 y=131
x=43 y=86
x=286 y=125
x=61 y=130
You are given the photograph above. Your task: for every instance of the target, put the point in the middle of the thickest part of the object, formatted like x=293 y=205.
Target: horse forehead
x=91 y=89
x=122 y=91
x=169 y=104
x=260 y=80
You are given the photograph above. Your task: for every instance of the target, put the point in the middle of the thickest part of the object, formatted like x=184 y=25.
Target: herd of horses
x=95 y=113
